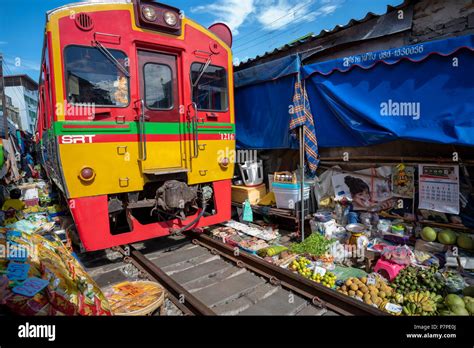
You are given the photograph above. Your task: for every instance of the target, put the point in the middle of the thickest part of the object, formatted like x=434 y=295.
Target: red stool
x=390 y=268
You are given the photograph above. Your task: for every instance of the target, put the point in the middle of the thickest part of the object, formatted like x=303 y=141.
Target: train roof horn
x=223 y=32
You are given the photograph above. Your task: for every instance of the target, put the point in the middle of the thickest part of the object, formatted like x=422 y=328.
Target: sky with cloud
x=268 y=14
x=257 y=25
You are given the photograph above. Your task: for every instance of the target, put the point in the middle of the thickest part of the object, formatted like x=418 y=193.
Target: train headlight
x=87 y=174
x=149 y=13
x=170 y=18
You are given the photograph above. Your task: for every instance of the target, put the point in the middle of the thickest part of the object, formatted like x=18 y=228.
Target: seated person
x=12 y=206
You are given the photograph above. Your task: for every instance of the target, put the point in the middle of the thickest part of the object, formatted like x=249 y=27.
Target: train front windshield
x=93 y=78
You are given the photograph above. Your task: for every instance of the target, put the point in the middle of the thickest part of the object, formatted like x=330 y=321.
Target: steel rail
x=182 y=298
x=316 y=293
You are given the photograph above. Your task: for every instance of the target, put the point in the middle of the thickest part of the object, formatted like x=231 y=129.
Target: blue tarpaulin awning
x=422 y=92
x=266 y=72
x=263 y=96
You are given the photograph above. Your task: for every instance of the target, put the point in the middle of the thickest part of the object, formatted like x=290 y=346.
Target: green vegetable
x=470 y=307
x=468 y=291
x=459 y=310
x=271 y=251
x=453 y=300
x=413 y=279
x=315 y=244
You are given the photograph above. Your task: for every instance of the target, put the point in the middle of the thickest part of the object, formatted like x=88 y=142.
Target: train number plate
x=227 y=136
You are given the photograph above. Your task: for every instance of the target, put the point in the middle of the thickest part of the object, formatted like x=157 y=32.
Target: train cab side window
x=92 y=77
x=42 y=115
x=209 y=86
x=158 y=86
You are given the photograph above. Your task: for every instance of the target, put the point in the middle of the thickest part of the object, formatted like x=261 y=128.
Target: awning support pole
x=302 y=180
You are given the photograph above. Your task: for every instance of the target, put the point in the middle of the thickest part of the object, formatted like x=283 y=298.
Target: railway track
x=204 y=276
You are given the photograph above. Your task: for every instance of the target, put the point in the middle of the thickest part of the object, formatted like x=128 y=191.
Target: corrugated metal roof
x=323 y=33
x=15 y=80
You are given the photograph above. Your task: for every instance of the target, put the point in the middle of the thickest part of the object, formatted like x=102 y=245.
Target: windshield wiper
x=202 y=71
x=110 y=57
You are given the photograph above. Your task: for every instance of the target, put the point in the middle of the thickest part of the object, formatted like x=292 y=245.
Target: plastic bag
x=401 y=255
x=425 y=259
x=23 y=226
x=70 y=290
x=455 y=283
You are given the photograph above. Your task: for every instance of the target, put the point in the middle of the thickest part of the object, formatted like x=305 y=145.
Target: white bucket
x=252 y=173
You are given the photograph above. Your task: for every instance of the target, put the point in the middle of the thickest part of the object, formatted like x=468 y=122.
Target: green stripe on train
x=132 y=128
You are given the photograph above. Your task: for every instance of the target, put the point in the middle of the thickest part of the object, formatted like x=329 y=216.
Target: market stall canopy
x=422 y=92
x=263 y=96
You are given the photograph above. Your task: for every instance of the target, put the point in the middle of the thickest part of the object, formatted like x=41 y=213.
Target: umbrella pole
x=302 y=181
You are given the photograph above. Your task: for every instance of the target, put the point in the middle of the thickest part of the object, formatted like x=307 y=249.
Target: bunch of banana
x=421 y=303
x=393 y=309
x=436 y=298
x=412 y=309
x=398 y=298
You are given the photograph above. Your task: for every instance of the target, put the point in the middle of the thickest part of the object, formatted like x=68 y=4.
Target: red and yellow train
x=136 y=119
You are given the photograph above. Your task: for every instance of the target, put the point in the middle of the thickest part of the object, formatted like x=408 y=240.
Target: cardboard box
x=253 y=194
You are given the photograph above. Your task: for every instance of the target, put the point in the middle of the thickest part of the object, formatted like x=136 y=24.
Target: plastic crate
x=287 y=195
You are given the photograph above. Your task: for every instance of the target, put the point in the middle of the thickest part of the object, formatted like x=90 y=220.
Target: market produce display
x=447 y=237
x=372 y=290
x=416 y=279
x=428 y=234
x=466 y=242
x=421 y=303
x=315 y=245
x=271 y=251
x=468 y=291
x=416 y=284
x=455 y=305
x=328 y=279
x=301 y=266
x=318 y=274
x=252 y=244
x=390 y=258
x=469 y=304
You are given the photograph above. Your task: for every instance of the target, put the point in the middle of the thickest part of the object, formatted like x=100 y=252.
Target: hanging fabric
x=302 y=117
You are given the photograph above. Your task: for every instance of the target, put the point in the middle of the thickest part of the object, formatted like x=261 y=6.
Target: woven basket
x=152 y=307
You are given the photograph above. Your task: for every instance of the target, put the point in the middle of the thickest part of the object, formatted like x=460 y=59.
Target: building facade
x=23 y=92
x=12 y=111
